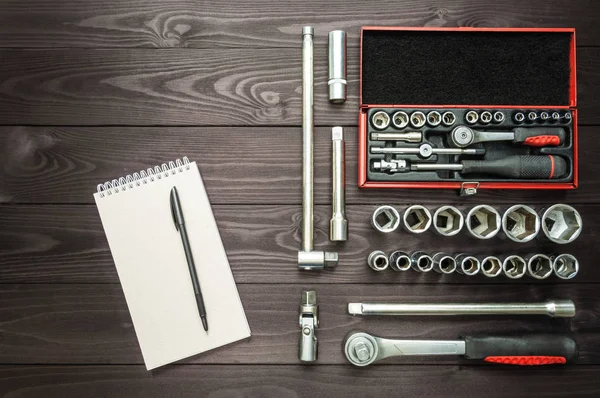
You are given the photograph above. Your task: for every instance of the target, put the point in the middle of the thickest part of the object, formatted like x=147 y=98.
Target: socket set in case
x=525 y=138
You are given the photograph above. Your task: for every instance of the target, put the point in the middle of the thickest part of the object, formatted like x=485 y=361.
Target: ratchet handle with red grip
x=540 y=136
x=523 y=350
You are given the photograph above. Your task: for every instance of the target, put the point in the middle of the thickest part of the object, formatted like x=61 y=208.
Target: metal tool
x=448 y=221
x=520 y=223
x=483 y=222
x=532 y=117
x=463 y=136
x=416 y=219
x=552 y=308
x=467 y=264
x=565 y=266
x=539 y=266
x=567 y=116
x=391 y=167
x=471 y=117
x=400 y=119
x=561 y=223
x=378 y=261
x=528 y=167
x=380 y=120
x=545 y=116
x=309 y=322
x=485 y=117
x=519 y=117
x=338 y=225
x=491 y=266
x=498 y=117
x=434 y=118
x=409 y=136
x=400 y=261
x=385 y=219
x=514 y=267
x=308 y=258
x=555 y=116
x=417 y=119
x=337 y=66
x=362 y=349
x=426 y=150
x=421 y=262
x=448 y=118
x=443 y=263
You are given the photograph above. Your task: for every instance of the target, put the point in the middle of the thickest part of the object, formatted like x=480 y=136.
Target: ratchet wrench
x=463 y=136
x=362 y=349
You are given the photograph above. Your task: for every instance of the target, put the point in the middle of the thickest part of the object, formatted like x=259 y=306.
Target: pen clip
x=173 y=204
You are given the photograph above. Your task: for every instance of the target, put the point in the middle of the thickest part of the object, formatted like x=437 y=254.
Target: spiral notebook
x=152 y=268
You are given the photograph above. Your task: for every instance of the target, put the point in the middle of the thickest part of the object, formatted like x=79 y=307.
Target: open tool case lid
x=411 y=67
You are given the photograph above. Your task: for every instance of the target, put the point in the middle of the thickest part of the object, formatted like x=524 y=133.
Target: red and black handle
x=524 y=350
x=539 y=136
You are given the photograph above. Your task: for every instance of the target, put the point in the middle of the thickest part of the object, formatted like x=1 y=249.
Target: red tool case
x=504 y=70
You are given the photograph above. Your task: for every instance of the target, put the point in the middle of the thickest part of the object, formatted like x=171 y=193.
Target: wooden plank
x=208 y=87
x=263 y=166
x=66 y=244
x=90 y=324
x=297 y=381
x=259 y=23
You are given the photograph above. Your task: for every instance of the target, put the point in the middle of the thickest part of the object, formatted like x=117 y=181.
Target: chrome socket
x=539 y=266
x=483 y=222
x=471 y=117
x=498 y=117
x=568 y=117
x=514 y=267
x=555 y=117
x=491 y=266
x=385 y=219
x=448 y=221
x=519 y=117
x=400 y=261
x=434 y=118
x=418 y=119
x=565 y=266
x=444 y=263
x=545 y=116
x=486 y=117
x=467 y=264
x=532 y=117
x=520 y=223
x=380 y=120
x=421 y=261
x=561 y=224
x=400 y=120
x=416 y=219
x=378 y=261
x=337 y=66
x=448 y=118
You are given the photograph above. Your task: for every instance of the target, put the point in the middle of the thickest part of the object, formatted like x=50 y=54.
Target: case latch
x=468 y=188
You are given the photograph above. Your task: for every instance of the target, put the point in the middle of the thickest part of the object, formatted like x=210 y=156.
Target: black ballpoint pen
x=177 y=213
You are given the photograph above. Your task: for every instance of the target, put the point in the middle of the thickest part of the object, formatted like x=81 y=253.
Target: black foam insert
x=465 y=68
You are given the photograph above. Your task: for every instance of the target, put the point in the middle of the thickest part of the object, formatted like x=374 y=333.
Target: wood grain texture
x=202 y=87
x=90 y=324
x=64 y=165
x=66 y=244
x=223 y=381
x=261 y=23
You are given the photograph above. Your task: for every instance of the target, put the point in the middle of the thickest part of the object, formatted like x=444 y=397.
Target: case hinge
x=468 y=188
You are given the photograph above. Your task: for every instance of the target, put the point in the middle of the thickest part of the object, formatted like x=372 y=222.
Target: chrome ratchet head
x=361 y=349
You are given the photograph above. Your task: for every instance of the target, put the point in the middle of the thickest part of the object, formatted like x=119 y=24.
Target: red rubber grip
x=542 y=140
x=527 y=360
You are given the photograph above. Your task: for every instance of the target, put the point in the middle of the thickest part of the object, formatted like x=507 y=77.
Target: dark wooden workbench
x=94 y=89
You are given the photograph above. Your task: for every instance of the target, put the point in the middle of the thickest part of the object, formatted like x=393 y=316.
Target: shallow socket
x=565 y=266
x=400 y=261
x=417 y=219
x=377 y=260
x=491 y=266
x=539 y=266
x=514 y=267
x=467 y=265
x=444 y=263
x=521 y=223
x=385 y=219
x=448 y=221
x=380 y=120
x=421 y=262
x=483 y=222
x=400 y=119
x=561 y=224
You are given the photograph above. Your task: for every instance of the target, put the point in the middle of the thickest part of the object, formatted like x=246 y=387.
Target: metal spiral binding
x=143 y=177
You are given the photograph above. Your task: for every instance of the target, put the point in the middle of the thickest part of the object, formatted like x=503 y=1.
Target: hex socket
x=514 y=267
x=561 y=223
x=565 y=266
x=400 y=261
x=467 y=265
x=421 y=261
x=448 y=221
x=337 y=66
x=416 y=219
x=385 y=219
x=520 y=223
x=539 y=266
x=444 y=263
x=483 y=222
x=491 y=266
x=377 y=260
